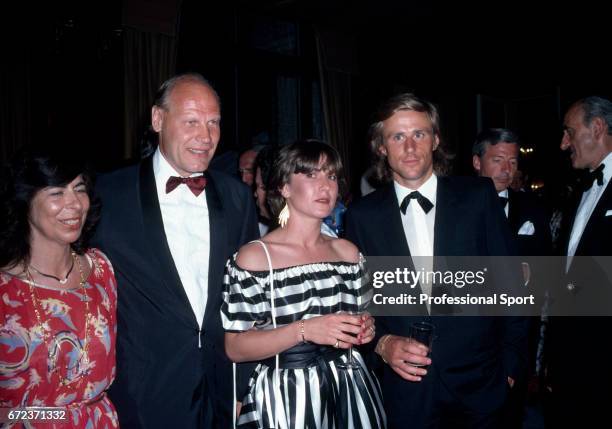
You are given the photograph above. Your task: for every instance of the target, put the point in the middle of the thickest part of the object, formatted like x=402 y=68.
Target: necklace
x=53 y=352
x=50 y=276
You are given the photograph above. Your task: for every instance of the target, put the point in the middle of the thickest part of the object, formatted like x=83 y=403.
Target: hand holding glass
x=422 y=333
x=356 y=311
x=350 y=363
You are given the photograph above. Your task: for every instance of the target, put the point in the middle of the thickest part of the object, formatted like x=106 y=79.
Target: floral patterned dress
x=58 y=364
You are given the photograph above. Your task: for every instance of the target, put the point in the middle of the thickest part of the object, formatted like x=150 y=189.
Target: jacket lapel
x=158 y=243
x=589 y=235
x=445 y=233
x=567 y=222
x=514 y=211
x=389 y=221
x=444 y=223
x=218 y=248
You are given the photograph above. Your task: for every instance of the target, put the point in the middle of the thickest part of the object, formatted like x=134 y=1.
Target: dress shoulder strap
x=276 y=385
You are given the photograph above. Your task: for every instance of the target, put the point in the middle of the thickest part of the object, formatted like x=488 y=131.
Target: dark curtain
x=150 y=59
x=150 y=46
x=16 y=120
x=336 y=67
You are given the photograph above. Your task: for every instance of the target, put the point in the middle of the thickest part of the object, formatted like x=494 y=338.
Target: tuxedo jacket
x=586 y=288
x=472 y=356
x=524 y=207
x=169 y=373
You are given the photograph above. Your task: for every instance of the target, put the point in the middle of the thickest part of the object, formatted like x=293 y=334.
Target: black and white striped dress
x=314 y=392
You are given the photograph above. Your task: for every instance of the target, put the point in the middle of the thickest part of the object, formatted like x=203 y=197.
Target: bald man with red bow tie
x=169 y=224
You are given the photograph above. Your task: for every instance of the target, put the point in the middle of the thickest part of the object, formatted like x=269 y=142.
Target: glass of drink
x=356 y=310
x=422 y=333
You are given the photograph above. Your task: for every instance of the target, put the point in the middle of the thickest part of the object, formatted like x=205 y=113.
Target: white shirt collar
x=503 y=193
x=607 y=171
x=427 y=189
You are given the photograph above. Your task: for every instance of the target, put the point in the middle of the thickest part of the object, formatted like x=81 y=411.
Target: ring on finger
x=337 y=343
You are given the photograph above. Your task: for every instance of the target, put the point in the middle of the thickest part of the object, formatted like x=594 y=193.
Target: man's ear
x=599 y=127
x=382 y=150
x=157 y=118
x=436 y=142
x=476 y=163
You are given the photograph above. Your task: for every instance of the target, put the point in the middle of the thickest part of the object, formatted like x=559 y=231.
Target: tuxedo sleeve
x=354 y=234
x=250 y=232
x=351 y=229
x=354 y=228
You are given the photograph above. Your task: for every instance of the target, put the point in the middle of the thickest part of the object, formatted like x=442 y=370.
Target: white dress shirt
x=504 y=194
x=187 y=229
x=419 y=226
x=587 y=204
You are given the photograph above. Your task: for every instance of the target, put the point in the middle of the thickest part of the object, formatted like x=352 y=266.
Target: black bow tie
x=594 y=175
x=425 y=204
x=503 y=201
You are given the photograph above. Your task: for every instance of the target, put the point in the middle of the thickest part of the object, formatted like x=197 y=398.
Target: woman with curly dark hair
x=58 y=297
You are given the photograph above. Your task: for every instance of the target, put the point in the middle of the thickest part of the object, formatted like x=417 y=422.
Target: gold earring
x=283 y=216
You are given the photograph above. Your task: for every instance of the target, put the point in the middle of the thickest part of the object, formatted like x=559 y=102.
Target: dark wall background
x=62 y=80
x=504 y=65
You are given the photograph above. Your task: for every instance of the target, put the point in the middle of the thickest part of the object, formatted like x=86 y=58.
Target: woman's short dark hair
x=303 y=157
x=28 y=172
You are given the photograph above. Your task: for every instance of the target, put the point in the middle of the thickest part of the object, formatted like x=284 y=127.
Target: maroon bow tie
x=196 y=184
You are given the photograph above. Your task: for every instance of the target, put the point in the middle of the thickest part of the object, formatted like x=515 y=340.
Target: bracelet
x=302 y=331
x=380 y=347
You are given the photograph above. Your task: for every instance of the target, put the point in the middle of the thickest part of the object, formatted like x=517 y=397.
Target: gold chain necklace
x=83 y=358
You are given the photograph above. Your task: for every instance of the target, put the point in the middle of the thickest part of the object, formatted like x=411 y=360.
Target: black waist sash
x=304 y=356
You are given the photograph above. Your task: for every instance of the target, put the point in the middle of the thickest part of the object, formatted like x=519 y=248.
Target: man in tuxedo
x=580 y=396
x=474 y=361
x=495 y=154
x=169 y=225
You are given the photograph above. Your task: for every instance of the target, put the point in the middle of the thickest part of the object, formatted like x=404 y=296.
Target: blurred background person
x=495 y=154
x=520 y=181
x=58 y=307
x=246 y=165
x=263 y=166
x=333 y=224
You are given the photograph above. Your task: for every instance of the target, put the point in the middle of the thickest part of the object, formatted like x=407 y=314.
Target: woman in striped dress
x=317 y=281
